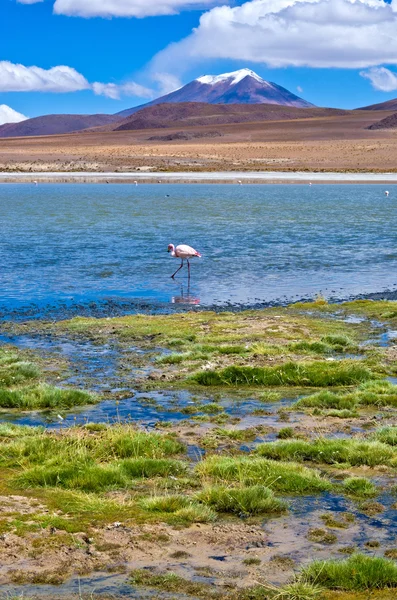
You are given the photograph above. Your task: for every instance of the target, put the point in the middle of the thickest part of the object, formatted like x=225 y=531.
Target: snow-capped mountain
x=240 y=87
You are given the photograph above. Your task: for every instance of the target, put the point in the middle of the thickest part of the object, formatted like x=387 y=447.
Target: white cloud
x=62 y=79
x=9 y=115
x=18 y=78
x=299 y=89
x=381 y=79
x=29 y=1
x=278 y=33
x=127 y=8
x=114 y=91
x=167 y=82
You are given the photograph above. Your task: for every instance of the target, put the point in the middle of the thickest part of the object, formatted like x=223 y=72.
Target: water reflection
x=185 y=296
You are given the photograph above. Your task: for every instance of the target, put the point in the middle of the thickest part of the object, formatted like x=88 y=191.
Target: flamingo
x=183 y=252
x=387 y=194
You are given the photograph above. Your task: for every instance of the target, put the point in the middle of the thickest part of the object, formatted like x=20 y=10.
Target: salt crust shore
x=201 y=177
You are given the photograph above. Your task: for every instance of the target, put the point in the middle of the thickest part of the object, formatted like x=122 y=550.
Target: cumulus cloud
x=18 y=78
x=9 y=115
x=279 y=33
x=127 y=8
x=381 y=79
x=62 y=79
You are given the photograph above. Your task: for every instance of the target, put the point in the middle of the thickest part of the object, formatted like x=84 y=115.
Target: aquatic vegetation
x=170 y=582
x=350 y=451
x=283 y=477
x=358 y=572
x=251 y=500
x=321 y=536
x=316 y=374
x=360 y=486
x=343 y=523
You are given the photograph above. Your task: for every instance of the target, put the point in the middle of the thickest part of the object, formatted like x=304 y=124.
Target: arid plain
x=333 y=143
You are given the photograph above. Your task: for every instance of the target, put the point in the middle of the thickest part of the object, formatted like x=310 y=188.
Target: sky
x=103 y=56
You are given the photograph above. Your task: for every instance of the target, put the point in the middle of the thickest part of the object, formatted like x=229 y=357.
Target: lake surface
x=69 y=245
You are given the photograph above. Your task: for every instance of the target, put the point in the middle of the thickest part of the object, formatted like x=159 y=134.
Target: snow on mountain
x=235 y=77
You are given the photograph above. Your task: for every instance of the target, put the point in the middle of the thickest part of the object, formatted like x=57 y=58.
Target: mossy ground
x=111 y=496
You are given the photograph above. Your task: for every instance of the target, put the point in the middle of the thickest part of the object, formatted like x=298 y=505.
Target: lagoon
x=72 y=245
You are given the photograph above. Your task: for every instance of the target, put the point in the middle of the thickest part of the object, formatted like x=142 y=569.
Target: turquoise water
x=73 y=245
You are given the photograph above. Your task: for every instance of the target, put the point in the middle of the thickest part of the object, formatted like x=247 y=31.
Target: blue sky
x=338 y=52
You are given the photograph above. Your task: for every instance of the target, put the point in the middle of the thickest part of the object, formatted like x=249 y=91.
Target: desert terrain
x=333 y=143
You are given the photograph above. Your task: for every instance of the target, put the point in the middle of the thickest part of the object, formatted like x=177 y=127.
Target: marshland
x=207 y=450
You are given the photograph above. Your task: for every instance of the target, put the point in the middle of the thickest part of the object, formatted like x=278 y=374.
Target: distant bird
x=387 y=194
x=136 y=183
x=183 y=252
x=310 y=183
x=35 y=182
x=240 y=182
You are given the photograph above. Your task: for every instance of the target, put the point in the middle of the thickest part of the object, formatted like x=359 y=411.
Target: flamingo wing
x=185 y=251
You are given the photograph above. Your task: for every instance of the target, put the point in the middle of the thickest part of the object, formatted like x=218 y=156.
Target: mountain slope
x=239 y=87
x=389 y=105
x=54 y=124
x=190 y=114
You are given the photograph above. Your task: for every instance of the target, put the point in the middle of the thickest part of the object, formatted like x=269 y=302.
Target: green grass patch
x=358 y=572
x=360 y=486
x=44 y=396
x=316 y=374
x=350 y=451
x=281 y=477
x=182 y=508
x=378 y=393
x=386 y=435
x=252 y=500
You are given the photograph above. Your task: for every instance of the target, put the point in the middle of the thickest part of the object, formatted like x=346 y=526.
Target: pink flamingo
x=183 y=252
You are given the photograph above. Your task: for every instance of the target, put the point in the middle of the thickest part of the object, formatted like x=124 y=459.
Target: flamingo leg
x=188 y=268
x=179 y=268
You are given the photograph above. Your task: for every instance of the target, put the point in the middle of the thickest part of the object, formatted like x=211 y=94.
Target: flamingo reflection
x=185 y=297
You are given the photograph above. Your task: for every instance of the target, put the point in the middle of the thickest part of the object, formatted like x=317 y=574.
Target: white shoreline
x=200 y=177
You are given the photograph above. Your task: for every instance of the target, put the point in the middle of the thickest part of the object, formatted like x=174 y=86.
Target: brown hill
x=197 y=113
x=387 y=123
x=389 y=105
x=54 y=124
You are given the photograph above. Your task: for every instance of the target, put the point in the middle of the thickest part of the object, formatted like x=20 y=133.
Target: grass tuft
x=357 y=573
x=316 y=374
x=252 y=500
x=360 y=486
x=279 y=476
x=350 y=451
